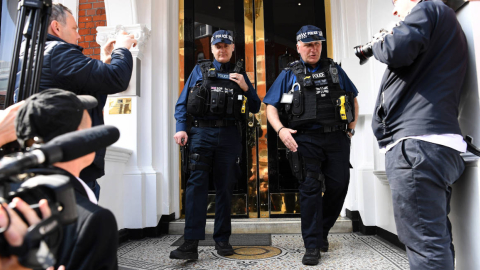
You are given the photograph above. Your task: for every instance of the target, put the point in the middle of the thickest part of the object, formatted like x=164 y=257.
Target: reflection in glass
x=285 y=203
x=119 y=106
x=7 y=38
x=239 y=204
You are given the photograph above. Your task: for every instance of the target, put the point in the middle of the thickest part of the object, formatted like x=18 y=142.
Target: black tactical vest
x=216 y=94
x=317 y=100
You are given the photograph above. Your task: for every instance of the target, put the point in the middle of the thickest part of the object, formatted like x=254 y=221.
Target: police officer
x=416 y=123
x=320 y=107
x=216 y=95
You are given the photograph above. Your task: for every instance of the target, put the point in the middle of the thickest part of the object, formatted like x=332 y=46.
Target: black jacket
x=427 y=62
x=65 y=67
x=91 y=242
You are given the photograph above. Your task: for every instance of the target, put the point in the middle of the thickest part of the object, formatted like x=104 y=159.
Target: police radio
x=212 y=73
x=307 y=81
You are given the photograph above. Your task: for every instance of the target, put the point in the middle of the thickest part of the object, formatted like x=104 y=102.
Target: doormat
x=246 y=239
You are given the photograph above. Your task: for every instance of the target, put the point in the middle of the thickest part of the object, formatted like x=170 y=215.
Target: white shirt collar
x=91 y=195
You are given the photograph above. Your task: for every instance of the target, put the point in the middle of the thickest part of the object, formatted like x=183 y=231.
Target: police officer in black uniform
x=218 y=95
x=319 y=103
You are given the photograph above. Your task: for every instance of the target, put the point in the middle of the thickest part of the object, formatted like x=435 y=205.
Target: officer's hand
x=124 y=40
x=240 y=80
x=179 y=136
x=285 y=135
x=7 y=123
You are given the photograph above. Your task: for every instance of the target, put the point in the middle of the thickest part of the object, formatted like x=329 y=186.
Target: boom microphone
x=63 y=148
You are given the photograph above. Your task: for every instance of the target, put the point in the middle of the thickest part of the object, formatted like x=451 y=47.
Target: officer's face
x=68 y=31
x=223 y=52
x=403 y=7
x=310 y=52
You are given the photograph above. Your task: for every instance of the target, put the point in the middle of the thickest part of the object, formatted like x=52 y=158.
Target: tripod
x=30 y=37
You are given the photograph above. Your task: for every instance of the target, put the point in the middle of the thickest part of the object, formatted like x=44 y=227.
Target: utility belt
x=199 y=123
x=323 y=129
x=214 y=123
x=299 y=168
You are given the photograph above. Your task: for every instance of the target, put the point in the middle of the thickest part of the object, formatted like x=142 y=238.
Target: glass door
x=264 y=33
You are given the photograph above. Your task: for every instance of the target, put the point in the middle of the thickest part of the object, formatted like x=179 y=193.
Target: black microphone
x=63 y=148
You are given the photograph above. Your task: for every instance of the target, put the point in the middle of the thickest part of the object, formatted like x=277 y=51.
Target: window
x=7 y=40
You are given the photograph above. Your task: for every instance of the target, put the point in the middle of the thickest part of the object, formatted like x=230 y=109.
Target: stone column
x=139 y=181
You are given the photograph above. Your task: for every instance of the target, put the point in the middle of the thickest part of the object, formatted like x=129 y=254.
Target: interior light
x=299 y=3
x=219 y=7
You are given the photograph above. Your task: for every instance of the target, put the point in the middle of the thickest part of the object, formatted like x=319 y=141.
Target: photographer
x=65 y=67
x=91 y=242
x=415 y=122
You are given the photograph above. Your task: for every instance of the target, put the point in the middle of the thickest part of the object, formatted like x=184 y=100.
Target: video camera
x=41 y=181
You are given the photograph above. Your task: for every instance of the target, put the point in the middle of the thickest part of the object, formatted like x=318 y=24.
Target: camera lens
x=363 y=53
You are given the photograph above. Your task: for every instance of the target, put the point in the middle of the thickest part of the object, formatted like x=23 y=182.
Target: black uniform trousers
x=223 y=145
x=319 y=214
x=420 y=174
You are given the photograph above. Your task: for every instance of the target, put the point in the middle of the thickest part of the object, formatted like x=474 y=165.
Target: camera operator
x=18 y=229
x=91 y=242
x=65 y=67
x=416 y=123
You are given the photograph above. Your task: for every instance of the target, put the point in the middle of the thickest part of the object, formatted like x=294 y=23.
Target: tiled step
x=263 y=225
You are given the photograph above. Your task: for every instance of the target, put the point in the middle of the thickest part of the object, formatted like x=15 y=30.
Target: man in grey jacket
x=415 y=122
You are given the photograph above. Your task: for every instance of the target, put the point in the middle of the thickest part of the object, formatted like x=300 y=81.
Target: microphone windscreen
x=80 y=143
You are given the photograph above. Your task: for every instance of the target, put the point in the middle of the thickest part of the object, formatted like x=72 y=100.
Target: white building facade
x=143 y=177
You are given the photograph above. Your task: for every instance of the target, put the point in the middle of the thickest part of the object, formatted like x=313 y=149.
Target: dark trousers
x=420 y=174
x=318 y=215
x=223 y=145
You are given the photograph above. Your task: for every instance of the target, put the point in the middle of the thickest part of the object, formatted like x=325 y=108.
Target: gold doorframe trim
x=181 y=79
x=328 y=21
x=263 y=189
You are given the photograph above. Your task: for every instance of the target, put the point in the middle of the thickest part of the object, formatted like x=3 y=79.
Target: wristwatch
x=351 y=130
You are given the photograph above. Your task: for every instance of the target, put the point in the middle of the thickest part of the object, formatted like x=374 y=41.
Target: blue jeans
x=223 y=145
x=420 y=174
x=319 y=214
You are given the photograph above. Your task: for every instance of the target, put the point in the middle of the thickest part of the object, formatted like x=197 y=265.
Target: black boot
x=311 y=257
x=187 y=251
x=224 y=248
x=325 y=245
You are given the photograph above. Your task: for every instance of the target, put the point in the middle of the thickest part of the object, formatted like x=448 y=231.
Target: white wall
x=465 y=205
x=354 y=23
x=149 y=183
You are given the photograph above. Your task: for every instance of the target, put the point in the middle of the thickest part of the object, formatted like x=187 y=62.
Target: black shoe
x=325 y=245
x=187 y=251
x=224 y=248
x=311 y=257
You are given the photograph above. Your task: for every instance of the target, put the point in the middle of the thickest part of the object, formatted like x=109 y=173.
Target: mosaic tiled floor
x=347 y=251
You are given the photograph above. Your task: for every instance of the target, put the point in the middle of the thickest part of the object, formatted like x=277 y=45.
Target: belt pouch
x=237 y=108
x=295 y=164
x=196 y=102
x=350 y=107
x=217 y=103
x=297 y=104
x=230 y=104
